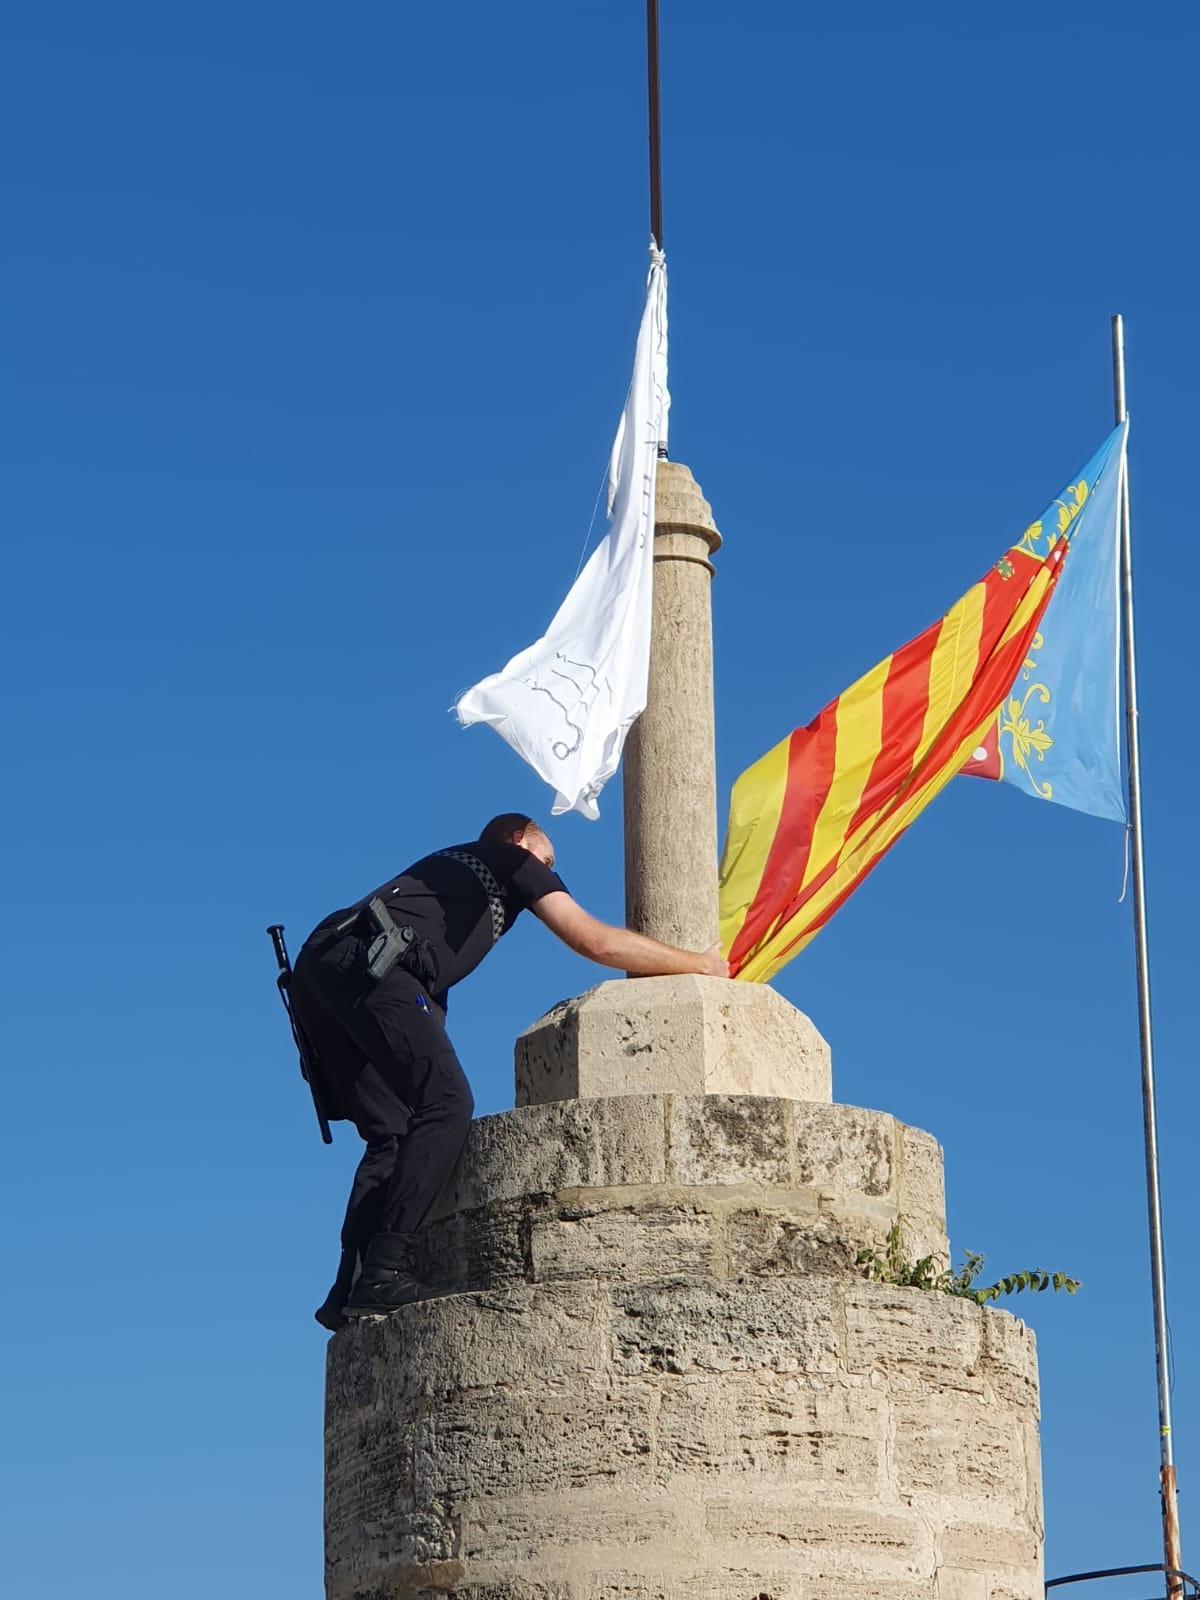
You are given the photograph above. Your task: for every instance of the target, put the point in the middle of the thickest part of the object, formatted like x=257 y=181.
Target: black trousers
x=388 y=1066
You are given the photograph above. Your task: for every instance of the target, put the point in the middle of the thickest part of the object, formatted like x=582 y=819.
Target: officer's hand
x=715 y=964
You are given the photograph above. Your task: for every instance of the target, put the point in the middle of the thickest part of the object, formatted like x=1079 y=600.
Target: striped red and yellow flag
x=810 y=819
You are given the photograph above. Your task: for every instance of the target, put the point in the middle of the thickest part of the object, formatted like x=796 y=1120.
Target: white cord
x=587 y=538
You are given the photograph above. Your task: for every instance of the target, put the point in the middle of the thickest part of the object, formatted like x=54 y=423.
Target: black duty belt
x=383 y=940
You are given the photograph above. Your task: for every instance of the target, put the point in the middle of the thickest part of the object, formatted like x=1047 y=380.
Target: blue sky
x=317 y=321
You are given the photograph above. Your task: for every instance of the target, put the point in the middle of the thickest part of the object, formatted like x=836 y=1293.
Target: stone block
x=1034 y=1511
x=729 y=1139
x=995 y=1549
x=679 y=1035
x=1010 y=1359
x=501 y=1589
x=426 y=1581
x=480 y=1446
x=570 y=1144
x=593 y=1527
x=372 y=1523
x=954 y=1584
x=962 y=1449
x=759 y=1325
x=711 y=1581
x=844 y=1149
x=369 y=1473
x=832 y=1586
x=922 y=1335
x=478 y=1249
x=543 y=1339
x=785 y=1244
x=390 y=1548
x=827 y=1435
x=855 y=1539
x=922 y=1192
x=632 y=1246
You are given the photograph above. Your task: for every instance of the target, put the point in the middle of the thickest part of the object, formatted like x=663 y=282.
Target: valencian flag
x=811 y=818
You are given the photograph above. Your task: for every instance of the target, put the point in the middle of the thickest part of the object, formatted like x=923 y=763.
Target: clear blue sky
x=317 y=320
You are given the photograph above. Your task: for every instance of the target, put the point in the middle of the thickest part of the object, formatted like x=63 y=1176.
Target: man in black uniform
x=384 y=1058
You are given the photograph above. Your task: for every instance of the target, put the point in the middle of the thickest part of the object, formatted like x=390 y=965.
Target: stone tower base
x=652 y=1371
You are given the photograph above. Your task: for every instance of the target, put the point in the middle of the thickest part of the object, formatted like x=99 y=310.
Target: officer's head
x=514 y=827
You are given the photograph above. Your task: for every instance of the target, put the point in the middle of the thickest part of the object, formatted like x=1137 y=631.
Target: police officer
x=384 y=1058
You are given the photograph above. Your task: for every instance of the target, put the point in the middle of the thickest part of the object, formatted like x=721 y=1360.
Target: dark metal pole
x=655 y=89
x=1170 y=1503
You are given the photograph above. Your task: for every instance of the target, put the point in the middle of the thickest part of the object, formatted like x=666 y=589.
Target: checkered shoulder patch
x=488 y=879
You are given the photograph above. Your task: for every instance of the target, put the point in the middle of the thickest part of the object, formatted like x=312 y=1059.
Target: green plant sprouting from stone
x=896 y=1267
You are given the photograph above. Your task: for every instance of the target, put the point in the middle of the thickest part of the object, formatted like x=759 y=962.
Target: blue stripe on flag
x=1059 y=729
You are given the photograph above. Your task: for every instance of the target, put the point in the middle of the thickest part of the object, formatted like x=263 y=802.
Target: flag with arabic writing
x=567 y=702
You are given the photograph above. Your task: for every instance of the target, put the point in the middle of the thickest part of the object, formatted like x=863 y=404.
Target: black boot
x=329 y=1313
x=386 y=1281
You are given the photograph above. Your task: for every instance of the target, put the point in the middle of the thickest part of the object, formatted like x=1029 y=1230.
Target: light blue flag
x=1058 y=733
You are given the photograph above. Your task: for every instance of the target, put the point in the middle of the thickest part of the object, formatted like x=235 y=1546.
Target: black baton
x=308 y=1056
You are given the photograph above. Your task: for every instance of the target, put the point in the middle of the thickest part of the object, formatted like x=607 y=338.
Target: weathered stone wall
x=651 y=1371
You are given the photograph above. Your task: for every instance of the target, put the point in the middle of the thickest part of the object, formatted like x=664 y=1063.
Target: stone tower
x=650 y=1368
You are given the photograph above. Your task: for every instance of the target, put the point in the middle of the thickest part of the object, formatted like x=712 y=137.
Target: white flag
x=566 y=703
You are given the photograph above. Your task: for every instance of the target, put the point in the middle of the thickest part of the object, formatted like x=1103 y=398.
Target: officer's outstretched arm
x=621 y=947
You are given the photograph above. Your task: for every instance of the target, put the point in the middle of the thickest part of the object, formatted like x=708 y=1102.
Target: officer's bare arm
x=621 y=947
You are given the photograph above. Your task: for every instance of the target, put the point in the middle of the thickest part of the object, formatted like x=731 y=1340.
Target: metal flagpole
x=654 y=93
x=1170 y=1504
x=654 y=76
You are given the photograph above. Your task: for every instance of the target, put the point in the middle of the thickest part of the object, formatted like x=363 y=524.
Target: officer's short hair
x=502 y=829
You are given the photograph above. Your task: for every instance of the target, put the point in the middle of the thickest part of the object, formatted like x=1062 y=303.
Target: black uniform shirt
x=460 y=900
